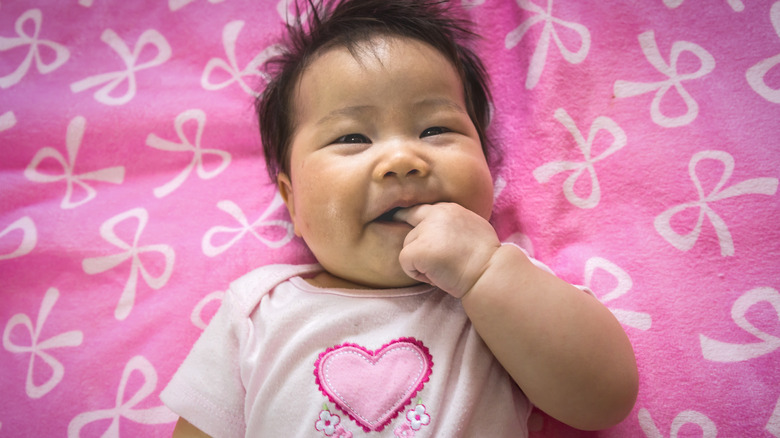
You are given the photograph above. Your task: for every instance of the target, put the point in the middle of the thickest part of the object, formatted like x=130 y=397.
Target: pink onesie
x=284 y=358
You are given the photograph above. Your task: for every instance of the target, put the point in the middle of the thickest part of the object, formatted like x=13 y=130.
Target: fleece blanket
x=640 y=157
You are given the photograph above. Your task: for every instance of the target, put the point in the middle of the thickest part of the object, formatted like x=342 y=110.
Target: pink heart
x=373 y=387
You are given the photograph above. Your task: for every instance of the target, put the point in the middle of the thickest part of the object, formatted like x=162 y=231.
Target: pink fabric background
x=641 y=157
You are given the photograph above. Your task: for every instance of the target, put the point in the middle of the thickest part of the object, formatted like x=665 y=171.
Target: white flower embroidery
x=417 y=417
x=327 y=423
x=404 y=431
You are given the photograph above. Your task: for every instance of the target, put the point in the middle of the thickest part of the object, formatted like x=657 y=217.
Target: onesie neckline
x=300 y=283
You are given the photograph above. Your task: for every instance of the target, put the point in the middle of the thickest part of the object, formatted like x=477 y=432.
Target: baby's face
x=386 y=130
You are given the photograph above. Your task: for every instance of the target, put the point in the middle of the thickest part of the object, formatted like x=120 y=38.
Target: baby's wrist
x=490 y=268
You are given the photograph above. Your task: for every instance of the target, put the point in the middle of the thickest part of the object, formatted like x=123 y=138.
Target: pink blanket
x=641 y=158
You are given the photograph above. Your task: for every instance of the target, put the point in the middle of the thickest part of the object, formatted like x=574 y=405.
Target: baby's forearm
x=564 y=349
x=184 y=429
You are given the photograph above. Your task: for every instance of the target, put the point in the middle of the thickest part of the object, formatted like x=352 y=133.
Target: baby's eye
x=352 y=138
x=435 y=130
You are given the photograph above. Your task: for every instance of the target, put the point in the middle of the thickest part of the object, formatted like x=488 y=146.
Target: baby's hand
x=449 y=247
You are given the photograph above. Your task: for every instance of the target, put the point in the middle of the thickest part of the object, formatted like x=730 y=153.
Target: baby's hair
x=348 y=23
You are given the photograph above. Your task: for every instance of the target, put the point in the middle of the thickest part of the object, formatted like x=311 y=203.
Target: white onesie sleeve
x=212 y=401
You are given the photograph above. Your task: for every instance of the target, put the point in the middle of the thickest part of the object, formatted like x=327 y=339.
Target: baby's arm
x=564 y=349
x=184 y=429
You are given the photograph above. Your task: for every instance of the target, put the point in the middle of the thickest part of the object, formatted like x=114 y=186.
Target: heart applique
x=373 y=387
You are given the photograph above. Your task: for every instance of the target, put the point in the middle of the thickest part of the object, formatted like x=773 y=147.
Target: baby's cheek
x=480 y=199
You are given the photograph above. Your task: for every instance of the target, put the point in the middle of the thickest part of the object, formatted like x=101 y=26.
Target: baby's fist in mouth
x=449 y=246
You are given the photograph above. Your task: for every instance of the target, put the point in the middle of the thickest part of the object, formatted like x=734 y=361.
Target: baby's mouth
x=388 y=216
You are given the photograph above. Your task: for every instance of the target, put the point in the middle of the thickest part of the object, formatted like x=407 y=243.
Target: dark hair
x=348 y=23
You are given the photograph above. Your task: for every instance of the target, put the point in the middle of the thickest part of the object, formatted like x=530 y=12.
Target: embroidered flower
x=404 y=431
x=342 y=433
x=417 y=417
x=327 y=424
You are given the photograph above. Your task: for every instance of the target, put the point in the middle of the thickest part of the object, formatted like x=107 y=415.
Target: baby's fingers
x=414 y=263
x=412 y=215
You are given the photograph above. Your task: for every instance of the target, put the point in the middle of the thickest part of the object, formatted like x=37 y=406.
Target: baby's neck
x=326 y=280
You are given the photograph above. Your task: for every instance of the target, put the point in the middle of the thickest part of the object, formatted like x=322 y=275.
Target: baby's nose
x=401 y=162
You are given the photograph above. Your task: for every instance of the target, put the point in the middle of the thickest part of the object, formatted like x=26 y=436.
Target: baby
x=416 y=319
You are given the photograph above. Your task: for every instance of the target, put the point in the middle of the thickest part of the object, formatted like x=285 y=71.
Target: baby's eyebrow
x=438 y=102
x=360 y=111
x=346 y=112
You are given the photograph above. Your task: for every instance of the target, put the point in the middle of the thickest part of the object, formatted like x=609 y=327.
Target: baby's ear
x=285 y=189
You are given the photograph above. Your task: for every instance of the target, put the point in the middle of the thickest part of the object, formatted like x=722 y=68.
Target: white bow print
x=186 y=146
x=232 y=209
x=727 y=352
x=229 y=39
x=7 y=120
x=773 y=425
x=155 y=415
x=719 y=351
x=762 y=186
x=498 y=187
x=37 y=348
x=283 y=8
x=114 y=79
x=540 y=54
x=29 y=237
x=175 y=5
x=736 y=5
x=73 y=138
x=652 y=53
x=708 y=428
x=755 y=75
x=546 y=171
x=61 y=53
x=196 y=317
x=132 y=252
x=639 y=320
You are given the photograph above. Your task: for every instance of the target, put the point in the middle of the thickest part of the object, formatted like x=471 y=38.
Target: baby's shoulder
x=247 y=290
